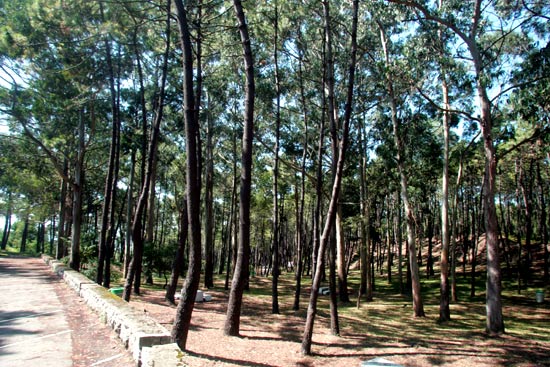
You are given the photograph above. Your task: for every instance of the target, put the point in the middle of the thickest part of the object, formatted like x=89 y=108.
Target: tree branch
x=432 y=102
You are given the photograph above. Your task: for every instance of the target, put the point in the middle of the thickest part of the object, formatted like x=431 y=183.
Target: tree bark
x=134 y=267
x=444 y=308
x=7 y=223
x=61 y=233
x=209 y=208
x=418 y=305
x=331 y=214
x=108 y=189
x=74 y=261
x=24 y=236
x=129 y=205
x=184 y=312
x=543 y=226
x=276 y=231
x=240 y=275
x=300 y=232
x=177 y=264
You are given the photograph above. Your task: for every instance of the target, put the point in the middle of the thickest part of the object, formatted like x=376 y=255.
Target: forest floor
x=383 y=328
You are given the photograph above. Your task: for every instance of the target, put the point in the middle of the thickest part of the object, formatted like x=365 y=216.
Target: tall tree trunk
x=334 y=127
x=519 y=264
x=182 y=322
x=209 y=207
x=74 y=261
x=543 y=227
x=526 y=196
x=129 y=206
x=336 y=237
x=300 y=231
x=399 y=240
x=111 y=232
x=108 y=191
x=334 y=323
x=444 y=308
x=240 y=275
x=495 y=321
x=137 y=222
x=61 y=235
x=52 y=235
x=364 y=250
x=25 y=235
x=418 y=305
x=276 y=231
x=331 y=214
x=341 y=267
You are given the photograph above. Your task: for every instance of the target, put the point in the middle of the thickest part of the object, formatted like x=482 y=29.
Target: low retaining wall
x=139 y=333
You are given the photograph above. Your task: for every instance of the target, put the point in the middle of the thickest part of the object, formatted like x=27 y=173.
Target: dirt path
x=383 y=329
x=50 y=323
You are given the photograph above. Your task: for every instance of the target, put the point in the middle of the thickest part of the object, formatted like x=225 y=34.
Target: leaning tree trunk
x=240 y=275
x=180 y=329
x=137 y=222
x=331 y=214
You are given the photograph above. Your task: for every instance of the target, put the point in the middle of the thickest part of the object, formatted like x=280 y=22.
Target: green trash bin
x=539 y=296
x=117 y=291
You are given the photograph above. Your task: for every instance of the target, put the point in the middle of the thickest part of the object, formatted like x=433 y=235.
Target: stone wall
x=139 y=333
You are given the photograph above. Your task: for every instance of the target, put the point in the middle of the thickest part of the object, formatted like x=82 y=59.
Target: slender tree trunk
x=418 y=305
x=209 y=207
x=543 y=227
x=240 y=275
x=177 y=264
x=341 y=259
x=111 y=232
x=107 y=202
x=276 y=232
x=444 y=308
x=331 y=214
x=232 y=225
x=61 y=235
x=364 y=249
x=129 y=205
x=334 y=323
x=74 y=261
x=519 y=264
x=182 y=321
x=137 y=223
x=336 y=237
x=300 y=235
x=526 y=196
x=52 y=235
x=399 y=240
x=7 y=222
x=24 y=236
